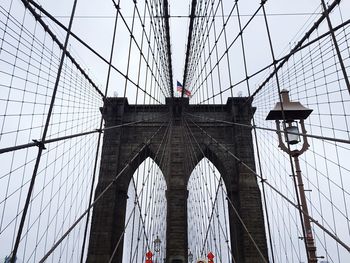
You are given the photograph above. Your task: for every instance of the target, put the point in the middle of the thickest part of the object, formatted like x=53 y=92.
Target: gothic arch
x=221 y=160
x=137 y=160
x=205 y=201
x=120 y=145
x=147 y=178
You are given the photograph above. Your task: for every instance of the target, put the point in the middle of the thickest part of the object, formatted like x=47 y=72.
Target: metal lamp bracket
x=283 y=146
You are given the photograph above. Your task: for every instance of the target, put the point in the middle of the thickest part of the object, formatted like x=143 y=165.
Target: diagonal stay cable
x=242 y=30
x=281 y=60
x=246 y=229
x=137 y=202
x=297 y=46
x=41 y=148
x=99 y=137
x=100 y=195
x=256 y=139
x=121 y=236
x=41 y=9
x=55 y=39
x=219 y=184
x=189 y=43
x=213 y=203
x=159 y=40
x=42 y=143
x=132 y=38
x=168 y=46
x=333 y=236
x=273 y=130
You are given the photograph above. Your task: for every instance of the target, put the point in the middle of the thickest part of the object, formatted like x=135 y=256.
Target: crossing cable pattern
x=147 y=223
x=147 y=191
x=97 y=198
x=207 y=208
x=220 y=188
x=320 y=71
x=274 y=189
x=158 y=51
x=218 y=65
x=149 y=35
x=30 y=56
x=315 y=70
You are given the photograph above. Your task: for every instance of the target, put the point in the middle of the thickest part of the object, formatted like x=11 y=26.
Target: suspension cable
x=343 y=244
x=100 y=196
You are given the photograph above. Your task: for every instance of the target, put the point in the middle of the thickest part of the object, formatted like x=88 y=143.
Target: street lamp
x=290 y=113
x=190 y=256
x=157 y=242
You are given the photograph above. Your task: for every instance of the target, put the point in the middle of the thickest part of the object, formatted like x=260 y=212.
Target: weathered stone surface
x=120 y=145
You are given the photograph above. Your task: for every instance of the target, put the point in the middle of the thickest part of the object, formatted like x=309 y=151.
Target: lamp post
x=156 y=243
x=290 y=113
x=190 y=257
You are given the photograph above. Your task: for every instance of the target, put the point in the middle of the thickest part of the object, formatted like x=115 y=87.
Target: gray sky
x=286 y=23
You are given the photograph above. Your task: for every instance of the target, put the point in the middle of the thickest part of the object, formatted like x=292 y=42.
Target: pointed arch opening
x=145 y=221
x=208 y=214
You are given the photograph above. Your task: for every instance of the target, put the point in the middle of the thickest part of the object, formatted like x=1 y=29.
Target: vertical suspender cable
x=99 y=140
x=279 y=93
x=41 y=147
x=167 y=35
x=256 y=137
x=335 y=42
x=189 y=43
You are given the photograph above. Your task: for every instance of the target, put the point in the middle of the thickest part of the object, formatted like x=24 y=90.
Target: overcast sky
x=94 y=24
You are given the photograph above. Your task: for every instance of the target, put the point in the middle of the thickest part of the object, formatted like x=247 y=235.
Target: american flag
x=180 y=87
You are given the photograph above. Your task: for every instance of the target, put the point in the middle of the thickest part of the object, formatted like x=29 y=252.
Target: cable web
x=208 y=228
x=51 y=125
x=147 y=213
x=29 y=66
x=56 y=72
x=314 y=67
x=314 y=76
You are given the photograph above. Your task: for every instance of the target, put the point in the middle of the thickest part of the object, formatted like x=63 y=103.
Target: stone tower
x=120 y=145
